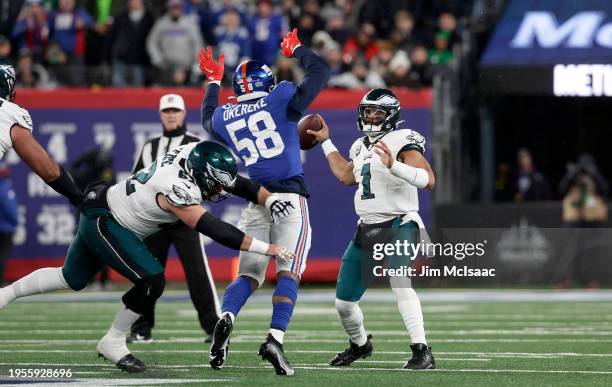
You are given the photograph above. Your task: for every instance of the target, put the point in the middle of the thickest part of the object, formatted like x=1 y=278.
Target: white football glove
x=285 y=255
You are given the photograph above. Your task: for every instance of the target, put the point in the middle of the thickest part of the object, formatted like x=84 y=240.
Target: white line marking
x=458 y=353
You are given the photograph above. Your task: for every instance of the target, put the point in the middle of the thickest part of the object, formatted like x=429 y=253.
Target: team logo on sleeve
x=415 y=138
x=27 y=119
x=181 y=194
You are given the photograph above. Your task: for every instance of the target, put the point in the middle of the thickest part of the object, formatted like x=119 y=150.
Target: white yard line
x=458 y=353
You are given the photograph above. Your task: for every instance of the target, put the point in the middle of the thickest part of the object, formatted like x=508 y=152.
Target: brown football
x=308 y=122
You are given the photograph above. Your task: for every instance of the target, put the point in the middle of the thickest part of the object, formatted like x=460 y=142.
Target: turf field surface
x=479 y=338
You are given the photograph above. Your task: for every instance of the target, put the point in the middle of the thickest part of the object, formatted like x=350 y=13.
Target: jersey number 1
x=365 y=173
x=141 y=176
x=258 y=147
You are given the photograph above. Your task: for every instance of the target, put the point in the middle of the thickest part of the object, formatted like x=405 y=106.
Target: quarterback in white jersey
x=388 y=165
x=114 y=220
x=16 y=133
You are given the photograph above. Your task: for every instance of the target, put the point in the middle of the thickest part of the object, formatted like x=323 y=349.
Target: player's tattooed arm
x=340 y=167
x=410 y=165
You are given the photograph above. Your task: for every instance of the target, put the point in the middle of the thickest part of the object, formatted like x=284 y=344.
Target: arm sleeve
x=66 y=186
x=315 y=79
x=220 y=231
x=209 y=104
x=246 y=188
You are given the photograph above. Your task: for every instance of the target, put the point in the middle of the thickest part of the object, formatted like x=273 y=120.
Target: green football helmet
x=380 y=103
x=214 y=169
x=7 y=80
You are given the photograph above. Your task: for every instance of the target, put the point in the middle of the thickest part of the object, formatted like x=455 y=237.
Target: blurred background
x=513 y=97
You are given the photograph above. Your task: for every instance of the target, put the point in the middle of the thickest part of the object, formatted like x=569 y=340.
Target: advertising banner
x=561 y=48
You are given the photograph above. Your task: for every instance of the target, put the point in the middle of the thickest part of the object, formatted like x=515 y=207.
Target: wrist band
x=328 y=147
x=259 y=247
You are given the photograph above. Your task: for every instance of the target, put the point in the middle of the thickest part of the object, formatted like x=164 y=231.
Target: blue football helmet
x=252 y=79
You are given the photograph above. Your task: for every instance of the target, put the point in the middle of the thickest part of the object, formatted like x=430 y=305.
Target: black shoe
x=220 y=342
x=140 y=337
x=352 y=353
x=422 y=359
x=272 y=351
x=129 y=364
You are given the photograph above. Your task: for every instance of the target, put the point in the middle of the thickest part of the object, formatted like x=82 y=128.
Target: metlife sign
x=558 y=47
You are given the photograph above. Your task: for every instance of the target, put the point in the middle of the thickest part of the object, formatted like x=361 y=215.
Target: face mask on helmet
x=378 y=113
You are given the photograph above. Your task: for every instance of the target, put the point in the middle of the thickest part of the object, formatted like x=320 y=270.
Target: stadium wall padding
x=69 y=122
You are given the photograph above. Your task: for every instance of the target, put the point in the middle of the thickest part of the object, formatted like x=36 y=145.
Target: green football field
x=479 y=338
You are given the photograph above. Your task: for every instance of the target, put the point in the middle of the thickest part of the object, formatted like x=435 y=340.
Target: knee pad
x=144 y=293
x=286 y=287
x=345 y=308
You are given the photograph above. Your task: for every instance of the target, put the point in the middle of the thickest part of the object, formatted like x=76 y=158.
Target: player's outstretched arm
x=315 y=78
x=213 y=71
x=340 y=167
x=38 y=159
x=410 y=166
x=228 y=235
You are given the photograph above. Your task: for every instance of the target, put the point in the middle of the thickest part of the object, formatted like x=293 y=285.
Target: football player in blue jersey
x=262 y=130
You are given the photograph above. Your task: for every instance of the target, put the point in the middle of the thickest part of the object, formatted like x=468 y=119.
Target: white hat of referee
x=171 y=101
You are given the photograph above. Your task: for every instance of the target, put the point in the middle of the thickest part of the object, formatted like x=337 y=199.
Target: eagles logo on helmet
x=380 y=100
x=252 y=79
x=7 y=80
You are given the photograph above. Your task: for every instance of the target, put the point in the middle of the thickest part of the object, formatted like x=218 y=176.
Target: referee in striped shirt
x=186 y=241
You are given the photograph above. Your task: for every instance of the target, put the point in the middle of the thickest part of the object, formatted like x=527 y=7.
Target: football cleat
x=128 y=364
x=272 y=351
x=140 y=338
x=422 y=358
x=352 y=353
x=220 y=342
x=117 y=352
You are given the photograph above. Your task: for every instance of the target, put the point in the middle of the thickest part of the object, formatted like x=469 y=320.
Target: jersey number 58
x=259 y=147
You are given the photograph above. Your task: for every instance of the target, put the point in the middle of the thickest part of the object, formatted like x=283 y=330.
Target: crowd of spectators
x=140 y=43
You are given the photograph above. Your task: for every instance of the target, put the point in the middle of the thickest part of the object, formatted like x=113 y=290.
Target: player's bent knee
x=73 y=281
x=156 y=284
x=144 y=293
x=255 y=283
x=345 y=308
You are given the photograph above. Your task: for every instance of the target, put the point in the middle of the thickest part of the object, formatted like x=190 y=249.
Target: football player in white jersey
x=115 y=219
x=16 y=132
x=388 y=166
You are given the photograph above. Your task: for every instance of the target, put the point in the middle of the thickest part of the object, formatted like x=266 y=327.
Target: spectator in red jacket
x=362 y=45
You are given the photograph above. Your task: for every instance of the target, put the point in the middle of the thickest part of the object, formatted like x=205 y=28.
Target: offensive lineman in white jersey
x=388 y=165
x=114 y=220
x=16 y=132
